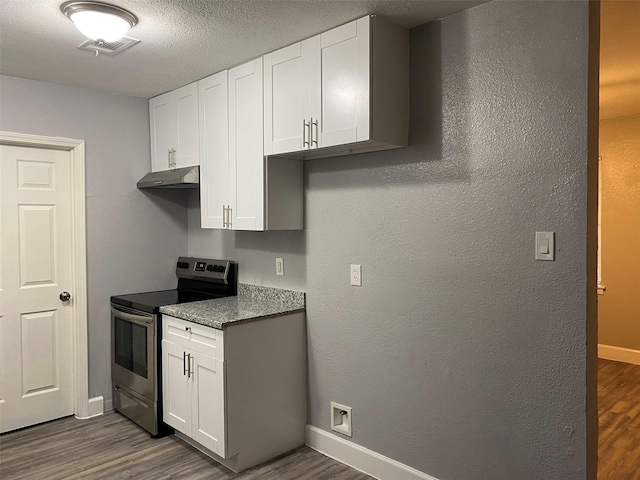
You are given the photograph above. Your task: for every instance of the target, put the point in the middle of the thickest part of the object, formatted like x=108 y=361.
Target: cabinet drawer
x=194 y=336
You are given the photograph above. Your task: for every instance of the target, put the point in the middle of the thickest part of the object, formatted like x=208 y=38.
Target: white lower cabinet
x=237 y=394
x=194 y=395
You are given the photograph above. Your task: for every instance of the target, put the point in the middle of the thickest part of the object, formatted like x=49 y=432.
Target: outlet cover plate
x=356 y=275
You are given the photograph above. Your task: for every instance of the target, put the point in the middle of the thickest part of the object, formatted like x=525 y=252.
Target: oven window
x=131 y=346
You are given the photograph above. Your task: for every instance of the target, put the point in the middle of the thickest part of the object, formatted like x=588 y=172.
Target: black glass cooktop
x=152 y=301
x=147 y=301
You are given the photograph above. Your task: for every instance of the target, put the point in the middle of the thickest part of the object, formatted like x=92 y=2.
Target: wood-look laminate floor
x=619 y=414
x=111 y=447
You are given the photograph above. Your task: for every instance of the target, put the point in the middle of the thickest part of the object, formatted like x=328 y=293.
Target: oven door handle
x=130 y=317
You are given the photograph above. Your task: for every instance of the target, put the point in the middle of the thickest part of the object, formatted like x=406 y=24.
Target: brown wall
x=619 y=307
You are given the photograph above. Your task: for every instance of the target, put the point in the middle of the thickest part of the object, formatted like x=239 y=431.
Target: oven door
x=133 y=350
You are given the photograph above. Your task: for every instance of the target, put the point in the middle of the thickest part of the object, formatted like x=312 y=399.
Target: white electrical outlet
x=341 y=419
x=279 y=266
x=356 y=275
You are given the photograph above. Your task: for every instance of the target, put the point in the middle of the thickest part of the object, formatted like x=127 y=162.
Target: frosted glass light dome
x=100 y=26
x=99 y=21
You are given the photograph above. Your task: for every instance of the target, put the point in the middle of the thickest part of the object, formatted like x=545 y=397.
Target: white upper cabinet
x=162 y=129
x=246 y=155
x=345 y=84
x=343 y=91
x=188 y=146
x=173 y=122
x=214 y=149
x=239 y=188
x=291 y=96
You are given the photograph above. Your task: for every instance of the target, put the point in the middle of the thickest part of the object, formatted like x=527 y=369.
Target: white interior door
x=36 y=331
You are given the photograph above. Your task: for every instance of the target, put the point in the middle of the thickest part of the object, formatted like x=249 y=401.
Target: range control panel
x=190 y=267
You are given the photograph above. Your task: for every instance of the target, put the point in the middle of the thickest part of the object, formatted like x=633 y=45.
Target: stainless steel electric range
x=136 y=332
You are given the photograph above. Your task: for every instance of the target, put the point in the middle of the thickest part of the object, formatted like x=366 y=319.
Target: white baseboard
x=619 y=354
x=360 y=458
x=95 y=407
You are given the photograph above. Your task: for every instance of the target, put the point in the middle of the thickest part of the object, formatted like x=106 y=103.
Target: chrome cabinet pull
x=189 y=372
x=169 y=156
x=229 y=215
x=184 y=363
x=188 y=329
x=173 y=158
x=305 y=126
x=311 y=124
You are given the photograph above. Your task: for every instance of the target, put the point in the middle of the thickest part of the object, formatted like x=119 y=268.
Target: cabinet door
x=246 y=158
x=162 y=126
x=208 y=426
x=291 y=82
x=214 y=149
x=311 y=66
x=176 y=388
x=284 y=92
x=187 y=146
x=345 y=84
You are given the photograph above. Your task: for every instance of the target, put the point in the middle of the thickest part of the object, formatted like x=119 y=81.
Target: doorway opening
x=619 y=242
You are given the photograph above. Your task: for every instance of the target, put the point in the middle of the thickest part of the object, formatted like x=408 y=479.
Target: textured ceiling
x=619 y=58
x=181 y=40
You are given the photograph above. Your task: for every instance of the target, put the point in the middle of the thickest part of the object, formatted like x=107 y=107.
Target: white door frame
x=78 y=255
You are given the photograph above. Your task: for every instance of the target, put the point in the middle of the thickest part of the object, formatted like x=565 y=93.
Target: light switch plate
x=545 y=246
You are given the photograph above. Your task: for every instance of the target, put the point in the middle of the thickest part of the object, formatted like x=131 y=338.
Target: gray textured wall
x=125 y=227
x=255 y=252
x=461 y=355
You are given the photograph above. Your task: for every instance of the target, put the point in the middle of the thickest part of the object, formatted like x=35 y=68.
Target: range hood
x=187 y=177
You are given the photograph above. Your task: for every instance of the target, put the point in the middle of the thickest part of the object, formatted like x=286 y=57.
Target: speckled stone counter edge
x=272 y=294
x=253 y=302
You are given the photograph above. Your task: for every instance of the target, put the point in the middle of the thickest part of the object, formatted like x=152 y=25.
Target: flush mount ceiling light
x=99 y=21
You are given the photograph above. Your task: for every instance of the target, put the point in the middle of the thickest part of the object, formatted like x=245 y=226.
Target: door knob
x=65 y=296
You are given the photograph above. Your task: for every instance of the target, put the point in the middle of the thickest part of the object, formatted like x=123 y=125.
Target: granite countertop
x=252 y=302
